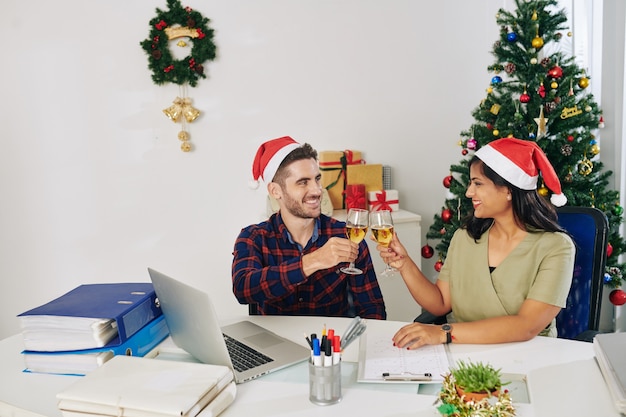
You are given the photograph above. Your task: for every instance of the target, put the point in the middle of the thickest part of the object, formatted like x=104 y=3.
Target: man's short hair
x=305 y=151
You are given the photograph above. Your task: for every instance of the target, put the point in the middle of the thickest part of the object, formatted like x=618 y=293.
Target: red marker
x=336 y=349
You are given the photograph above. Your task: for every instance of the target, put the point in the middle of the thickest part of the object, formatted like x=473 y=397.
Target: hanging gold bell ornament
x=182 y=107
x=182 y=111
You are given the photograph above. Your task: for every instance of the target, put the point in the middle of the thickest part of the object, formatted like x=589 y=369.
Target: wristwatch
x=448 y=329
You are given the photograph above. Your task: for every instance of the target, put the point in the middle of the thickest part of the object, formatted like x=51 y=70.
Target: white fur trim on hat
x=275 y=161
x=506 y=168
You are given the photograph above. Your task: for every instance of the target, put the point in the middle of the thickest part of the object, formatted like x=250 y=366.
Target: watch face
x=446 y=327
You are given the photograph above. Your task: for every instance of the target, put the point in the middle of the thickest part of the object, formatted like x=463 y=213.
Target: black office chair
x=588 y=227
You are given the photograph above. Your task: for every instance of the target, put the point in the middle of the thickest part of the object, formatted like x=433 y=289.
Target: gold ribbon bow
x=182 y=107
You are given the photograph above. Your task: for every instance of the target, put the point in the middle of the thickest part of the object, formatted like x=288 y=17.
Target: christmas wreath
x=178 y=22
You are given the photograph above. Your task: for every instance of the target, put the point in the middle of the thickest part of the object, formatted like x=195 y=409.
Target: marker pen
x=317 y=359
x=336 y=349
x=328 y=354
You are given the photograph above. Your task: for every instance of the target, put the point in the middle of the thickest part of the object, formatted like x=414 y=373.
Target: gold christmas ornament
x=533 y=61
x=583 y=82
x=541 y=124
x=185 y=146
x=543 y=191
x=181 y=44
x=183 y=135
x=595 y=149
x=537 y=42
x=182 y=106
x=585 y=167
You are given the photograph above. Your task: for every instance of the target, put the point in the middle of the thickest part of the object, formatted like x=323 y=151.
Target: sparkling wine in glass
x=381 y=224
x=356 y=229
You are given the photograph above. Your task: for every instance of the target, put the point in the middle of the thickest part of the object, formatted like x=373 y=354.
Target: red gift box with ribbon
x=383 y=200
x=355 y=196
x=333 y=166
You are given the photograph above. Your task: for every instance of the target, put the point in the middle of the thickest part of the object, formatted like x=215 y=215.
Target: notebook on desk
x=194 y=327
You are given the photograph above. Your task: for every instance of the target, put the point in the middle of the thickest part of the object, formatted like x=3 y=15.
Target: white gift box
x=383 y=200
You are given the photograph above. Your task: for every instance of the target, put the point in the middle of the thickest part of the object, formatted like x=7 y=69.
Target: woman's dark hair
x=531 y=211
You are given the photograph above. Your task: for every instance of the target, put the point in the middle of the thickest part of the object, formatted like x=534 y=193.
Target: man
x=289 y=264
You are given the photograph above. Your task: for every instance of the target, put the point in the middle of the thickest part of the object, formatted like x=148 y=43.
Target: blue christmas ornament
x=593 y=141
x=496 y=80
x=531 y=135
x=511 y=36
x=607 y=278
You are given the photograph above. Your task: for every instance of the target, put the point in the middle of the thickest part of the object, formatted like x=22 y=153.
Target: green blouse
x=539 y=268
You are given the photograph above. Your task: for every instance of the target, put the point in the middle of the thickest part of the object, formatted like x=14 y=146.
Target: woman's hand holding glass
x=381 y=224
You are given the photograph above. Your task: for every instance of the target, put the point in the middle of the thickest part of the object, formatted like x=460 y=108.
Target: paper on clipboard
x=378 y=355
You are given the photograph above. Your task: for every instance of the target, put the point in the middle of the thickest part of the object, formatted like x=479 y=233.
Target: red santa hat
x=519 y=162
x=268 y=158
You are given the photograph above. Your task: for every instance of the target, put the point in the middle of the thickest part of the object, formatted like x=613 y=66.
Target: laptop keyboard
x=244 y=357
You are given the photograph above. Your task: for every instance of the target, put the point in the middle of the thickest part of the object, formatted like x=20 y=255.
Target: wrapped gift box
x=355 y=196
x=371 y=175
x=333 y=168
x=383 y=200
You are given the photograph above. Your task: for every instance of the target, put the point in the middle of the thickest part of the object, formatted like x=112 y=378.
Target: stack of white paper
x=610 y=350
x=128 y=386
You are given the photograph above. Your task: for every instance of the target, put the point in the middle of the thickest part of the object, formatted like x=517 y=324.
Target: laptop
x=194 y=327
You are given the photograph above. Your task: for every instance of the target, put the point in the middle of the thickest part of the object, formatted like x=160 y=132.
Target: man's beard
x=297 y=209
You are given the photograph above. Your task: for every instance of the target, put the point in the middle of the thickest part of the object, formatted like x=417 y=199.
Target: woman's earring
x=508 y=197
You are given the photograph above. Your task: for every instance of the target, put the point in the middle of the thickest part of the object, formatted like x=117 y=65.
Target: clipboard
x=378 y=356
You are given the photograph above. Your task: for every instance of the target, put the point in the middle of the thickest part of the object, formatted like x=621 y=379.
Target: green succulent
x=477 y=377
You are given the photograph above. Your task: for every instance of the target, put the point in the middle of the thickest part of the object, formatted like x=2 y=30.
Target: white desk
x=563 y=379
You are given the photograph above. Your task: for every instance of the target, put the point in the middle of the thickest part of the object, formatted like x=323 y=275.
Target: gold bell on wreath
x=182 y=106
x=190 y=113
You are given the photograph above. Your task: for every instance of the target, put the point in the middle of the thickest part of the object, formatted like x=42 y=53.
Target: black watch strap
x=448 y=330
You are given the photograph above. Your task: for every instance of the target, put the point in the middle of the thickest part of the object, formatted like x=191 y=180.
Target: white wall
x=94 y=186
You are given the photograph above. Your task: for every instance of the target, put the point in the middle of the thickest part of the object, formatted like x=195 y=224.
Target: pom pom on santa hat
x=269 y=157
x=519 y=162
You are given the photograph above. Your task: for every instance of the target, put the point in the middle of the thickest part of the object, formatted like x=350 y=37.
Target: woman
x=508 y=269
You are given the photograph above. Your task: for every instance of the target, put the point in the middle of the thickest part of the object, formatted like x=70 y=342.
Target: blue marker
x=317 y=358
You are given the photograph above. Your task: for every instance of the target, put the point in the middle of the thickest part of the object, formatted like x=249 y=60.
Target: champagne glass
x=356 y=229
x=381 y=224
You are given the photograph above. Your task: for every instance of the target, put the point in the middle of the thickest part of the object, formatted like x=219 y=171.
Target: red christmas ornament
x=447 y=181
x=446 y=215
x=442 y=231
x=617 y=297
x=570 y=138
x=438 y=265
x=464 y=152
x=609 y=250
x=524 y=98
x=427 y=251
x=555 y=72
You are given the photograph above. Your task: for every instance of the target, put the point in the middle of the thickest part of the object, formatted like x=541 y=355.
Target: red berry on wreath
x=617 y=297
x=438 y=265
x=427 y=251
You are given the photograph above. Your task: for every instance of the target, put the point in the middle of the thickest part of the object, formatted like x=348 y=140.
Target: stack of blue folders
x=84 y=328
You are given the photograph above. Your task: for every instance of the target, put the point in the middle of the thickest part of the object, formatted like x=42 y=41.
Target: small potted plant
x=472 y=389
x=475 y=381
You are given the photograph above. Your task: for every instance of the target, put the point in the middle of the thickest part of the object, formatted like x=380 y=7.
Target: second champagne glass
x=381 y=224
x=356 y=229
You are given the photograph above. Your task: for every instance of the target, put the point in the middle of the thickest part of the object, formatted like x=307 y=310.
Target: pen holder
x=325 y=384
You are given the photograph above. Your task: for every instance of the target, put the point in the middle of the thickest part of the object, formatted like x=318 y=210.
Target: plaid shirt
x=267 y=270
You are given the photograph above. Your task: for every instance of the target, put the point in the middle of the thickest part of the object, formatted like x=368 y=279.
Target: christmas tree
x=545 y=98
